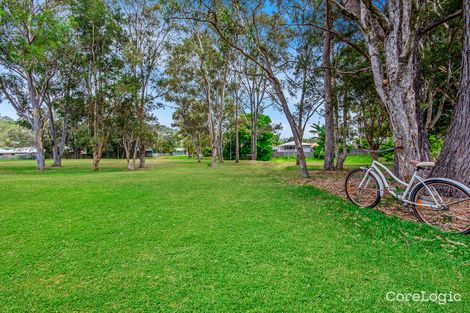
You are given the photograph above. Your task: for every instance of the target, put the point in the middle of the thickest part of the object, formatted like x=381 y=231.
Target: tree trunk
x=290 y=119
x=63 y=136
x=220 y=145
x=142 y=156
x=214 y=155
x=341 y=157
x=254 y=135
x=96 y=159
x=198 y=152
x=389 y=39
x=130 y=162
x=55 y=143
x=197 y=147
x=423 y=136
x=39 y=142
x=454 y=161
x=37 y=123
x=237 y=138
x=329 y=119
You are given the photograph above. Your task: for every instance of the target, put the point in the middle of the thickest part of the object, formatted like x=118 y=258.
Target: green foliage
x=436 y=144
x=166 y=140
x=266 y=138
x=318 y=132
x=14 y=135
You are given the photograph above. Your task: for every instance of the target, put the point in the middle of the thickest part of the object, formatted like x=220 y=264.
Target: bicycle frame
x=376 y=170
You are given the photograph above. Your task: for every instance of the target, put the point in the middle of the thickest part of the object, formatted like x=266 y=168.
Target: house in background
x=288 y=149
x=18 y=153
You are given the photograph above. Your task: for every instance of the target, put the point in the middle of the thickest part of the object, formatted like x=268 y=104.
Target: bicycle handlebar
x=384 y=150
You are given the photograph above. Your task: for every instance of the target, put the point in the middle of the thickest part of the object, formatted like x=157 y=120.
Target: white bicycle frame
x=375 y=170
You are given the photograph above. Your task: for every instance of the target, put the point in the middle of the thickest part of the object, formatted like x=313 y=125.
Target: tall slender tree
x=31 y=34
x=148 y=34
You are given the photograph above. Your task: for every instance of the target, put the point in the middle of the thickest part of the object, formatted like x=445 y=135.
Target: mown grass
x=180 y=236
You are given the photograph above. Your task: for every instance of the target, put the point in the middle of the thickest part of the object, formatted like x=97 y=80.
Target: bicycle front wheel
x=362 y=189
x=443 y=204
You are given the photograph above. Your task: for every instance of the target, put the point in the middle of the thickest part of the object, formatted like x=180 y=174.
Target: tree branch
x=428 y=28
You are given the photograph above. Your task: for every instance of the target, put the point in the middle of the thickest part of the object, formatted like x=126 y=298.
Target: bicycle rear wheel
x=451 y=205
x=362 y=189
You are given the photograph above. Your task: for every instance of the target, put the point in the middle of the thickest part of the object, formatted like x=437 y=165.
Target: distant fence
x=158 y=154
x=292 y=154
x=17 y=156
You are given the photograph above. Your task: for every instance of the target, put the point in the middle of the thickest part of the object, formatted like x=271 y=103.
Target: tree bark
x=237 y=137
x=38 y=124
x=423 y=140
x=220 y=142
x=197 y=147
x=454 y=160
x=39 y=142
x=56 y=157
x=254 y=135
x=329 y=118
x=142 y=156
x=96 y=159
x=290 y=118
x=63 y=136
x=341 y=157
x=392 y=70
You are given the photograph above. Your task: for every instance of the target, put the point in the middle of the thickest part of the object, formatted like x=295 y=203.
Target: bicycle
x=436 y=201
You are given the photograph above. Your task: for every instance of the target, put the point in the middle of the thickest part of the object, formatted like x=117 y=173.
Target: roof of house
x=292 y=143
x=24 y=150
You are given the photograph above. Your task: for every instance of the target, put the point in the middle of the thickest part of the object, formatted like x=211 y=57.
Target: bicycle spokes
x=443 y=205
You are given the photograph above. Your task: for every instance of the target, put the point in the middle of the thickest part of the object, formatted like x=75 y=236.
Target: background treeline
x=89 y=74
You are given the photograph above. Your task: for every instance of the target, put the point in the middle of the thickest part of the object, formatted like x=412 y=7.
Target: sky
x=164 y=117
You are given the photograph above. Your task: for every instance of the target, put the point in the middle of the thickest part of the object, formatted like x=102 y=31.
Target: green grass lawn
x=180 y=236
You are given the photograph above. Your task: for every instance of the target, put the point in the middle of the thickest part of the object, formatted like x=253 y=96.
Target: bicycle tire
x=416 y=191
x=348 y=190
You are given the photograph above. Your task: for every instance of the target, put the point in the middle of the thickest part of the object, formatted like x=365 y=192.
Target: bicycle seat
x=422 y=164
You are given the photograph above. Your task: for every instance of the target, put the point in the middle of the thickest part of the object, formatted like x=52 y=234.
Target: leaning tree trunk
x=329 y=119
x=290 y=119
x=454 y=161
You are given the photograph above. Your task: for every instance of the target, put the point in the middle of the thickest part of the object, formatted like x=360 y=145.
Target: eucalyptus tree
x=355 y=89
x=254 y=97
x=190 y=117
x=198 y=70
x=304 y=81
x=260 y=32
x=213 y=61
x=454 y=161
x=437 y=57
x=148 y=34
x=390 y=30
x=99 y=37
x=31 y=35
